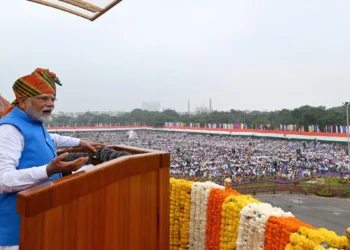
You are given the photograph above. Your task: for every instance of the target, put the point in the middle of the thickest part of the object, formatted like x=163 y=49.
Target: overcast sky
x=244 y=54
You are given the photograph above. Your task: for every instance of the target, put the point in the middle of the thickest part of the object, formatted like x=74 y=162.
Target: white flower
x=198 y=217
x=192 y=215
x=251 y=232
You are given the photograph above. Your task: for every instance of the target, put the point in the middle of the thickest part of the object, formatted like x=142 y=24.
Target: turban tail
x=40 y=82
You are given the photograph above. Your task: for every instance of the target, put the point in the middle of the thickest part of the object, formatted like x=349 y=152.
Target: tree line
x=302 y=116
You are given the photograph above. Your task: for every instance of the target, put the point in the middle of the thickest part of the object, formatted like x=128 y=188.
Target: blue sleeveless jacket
x=39 y=150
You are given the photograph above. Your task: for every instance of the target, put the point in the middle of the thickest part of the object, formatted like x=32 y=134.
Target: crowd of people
x=209 y=157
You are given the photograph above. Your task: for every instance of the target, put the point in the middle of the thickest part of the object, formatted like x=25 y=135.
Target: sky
x=243 y=54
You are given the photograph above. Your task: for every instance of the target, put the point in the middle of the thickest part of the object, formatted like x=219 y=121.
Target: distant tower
x=210 y=107
x=189 y=110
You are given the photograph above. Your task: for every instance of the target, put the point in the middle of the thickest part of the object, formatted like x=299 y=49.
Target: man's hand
x=90 y=145
x=59 y=166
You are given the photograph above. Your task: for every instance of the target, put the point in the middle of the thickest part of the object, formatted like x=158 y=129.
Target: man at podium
x=27 y=151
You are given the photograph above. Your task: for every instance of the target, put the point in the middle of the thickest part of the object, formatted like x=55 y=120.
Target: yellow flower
x=289 y=247
x=315 y=237
x=180 y=204
x=231 y=209
x=319 y=247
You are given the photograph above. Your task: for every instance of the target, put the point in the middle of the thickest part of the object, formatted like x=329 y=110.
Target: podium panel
x=117 y=205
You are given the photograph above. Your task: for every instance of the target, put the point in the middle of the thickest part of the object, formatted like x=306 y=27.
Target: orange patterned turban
x=40 y=82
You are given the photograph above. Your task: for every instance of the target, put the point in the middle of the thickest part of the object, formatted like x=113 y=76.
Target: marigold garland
x=309 y=239
x=231 y=209
x=278 y=231
x=213 y=227
x=204 y=216
x=195 y=207
x=253 y=217
x=198 y=217
x=180 y=206
x=173 y=219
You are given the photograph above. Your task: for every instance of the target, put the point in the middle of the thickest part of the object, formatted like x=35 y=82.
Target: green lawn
x=255 y=184
x=306 y=183
x=328 y=183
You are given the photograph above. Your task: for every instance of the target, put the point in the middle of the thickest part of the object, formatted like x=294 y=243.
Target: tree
x=304 y=115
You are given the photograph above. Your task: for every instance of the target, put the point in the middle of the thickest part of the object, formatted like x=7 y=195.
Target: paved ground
x=330 y=213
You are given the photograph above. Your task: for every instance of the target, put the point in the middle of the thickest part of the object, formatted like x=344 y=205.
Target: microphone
x=107 y=154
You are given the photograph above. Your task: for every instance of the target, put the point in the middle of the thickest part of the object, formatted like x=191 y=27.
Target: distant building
x=151 y=106
x=202 y=109
x=210 y=106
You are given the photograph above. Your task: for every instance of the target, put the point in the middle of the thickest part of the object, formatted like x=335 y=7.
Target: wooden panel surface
x=41 y=198
x=70 y=215
x=52 y=229
x=31 y=232
x=164 y=203
x=149 y=211
x=123 y=204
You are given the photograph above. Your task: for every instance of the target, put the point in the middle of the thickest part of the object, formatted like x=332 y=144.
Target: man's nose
x=50 y=103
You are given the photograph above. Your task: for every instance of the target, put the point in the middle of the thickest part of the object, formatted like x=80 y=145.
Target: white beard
x=37 y=115
x=45 y=119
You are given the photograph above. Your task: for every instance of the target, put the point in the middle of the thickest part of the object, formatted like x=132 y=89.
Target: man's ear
x=21 y=101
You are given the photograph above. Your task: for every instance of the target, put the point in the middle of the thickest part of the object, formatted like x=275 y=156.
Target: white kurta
x=11 y=147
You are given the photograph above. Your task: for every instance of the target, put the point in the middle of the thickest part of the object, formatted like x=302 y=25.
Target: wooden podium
x=121 y=204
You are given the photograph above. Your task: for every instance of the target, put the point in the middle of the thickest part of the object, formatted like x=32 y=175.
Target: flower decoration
x=231 y=209
x=180 y=206
x=205 y=216
x=214 y=216
x=310 y=239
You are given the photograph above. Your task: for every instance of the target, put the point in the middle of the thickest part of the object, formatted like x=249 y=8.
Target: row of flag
x=336 y=129
x=207 y=125
x=101 y=124
x=281 y=127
